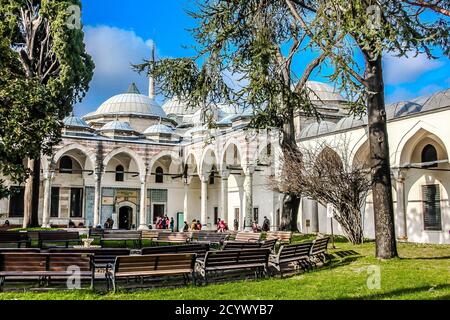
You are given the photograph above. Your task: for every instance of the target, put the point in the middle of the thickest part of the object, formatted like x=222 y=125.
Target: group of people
x=265 y=227
x=165 y=223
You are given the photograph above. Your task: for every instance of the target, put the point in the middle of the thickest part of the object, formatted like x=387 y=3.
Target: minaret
x=151 y=80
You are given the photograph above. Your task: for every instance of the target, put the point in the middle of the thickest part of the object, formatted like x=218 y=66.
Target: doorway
x=125 y=218
x=158 y=211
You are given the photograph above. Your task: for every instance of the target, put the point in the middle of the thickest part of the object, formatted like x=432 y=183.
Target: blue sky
x=118 y=33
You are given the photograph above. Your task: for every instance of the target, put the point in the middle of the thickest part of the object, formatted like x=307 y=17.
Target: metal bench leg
x=2 y=283
x=113 y=280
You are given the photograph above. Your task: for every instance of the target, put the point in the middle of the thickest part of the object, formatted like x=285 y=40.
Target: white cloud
x=399 y=70
x=113 y=51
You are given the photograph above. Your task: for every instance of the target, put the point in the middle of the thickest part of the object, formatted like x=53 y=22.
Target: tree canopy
x=44 y=70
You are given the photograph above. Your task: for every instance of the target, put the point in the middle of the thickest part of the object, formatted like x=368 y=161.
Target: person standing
x=266 y=224
x=194 y=225
x=172 y=224
x=186 y=227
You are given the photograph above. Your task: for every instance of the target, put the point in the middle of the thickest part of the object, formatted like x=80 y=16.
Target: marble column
x=314 y=216
x=185 y=203
x=97 y=198
x=248 y=197
x=204 y=200
x=143 y=223
x=48 y=176
x=224 y=195
x=401 y=206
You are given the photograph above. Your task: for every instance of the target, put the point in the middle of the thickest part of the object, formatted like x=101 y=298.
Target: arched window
x=65 y=165
x=119 y=173
x=429 y=154
x=159 y=175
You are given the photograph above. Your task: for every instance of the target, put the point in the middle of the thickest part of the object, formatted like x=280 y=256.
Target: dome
x=176 y=107
x=159 y=129
x=323 y=92
x=75 y=122
x=117 y=125
x=351 y=122
x=435 y=101
x=131 y=102
x=317 y=128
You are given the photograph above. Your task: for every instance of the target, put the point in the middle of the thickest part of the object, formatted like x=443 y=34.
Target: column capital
x=204 y=177
x=399 y=175
x=225 y=174
x=248 y=169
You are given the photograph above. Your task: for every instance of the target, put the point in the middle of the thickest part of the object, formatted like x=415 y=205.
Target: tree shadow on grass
x=400 y=292
x=427 y=258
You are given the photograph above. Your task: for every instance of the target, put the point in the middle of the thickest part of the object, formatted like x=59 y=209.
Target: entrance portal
x=125 y=218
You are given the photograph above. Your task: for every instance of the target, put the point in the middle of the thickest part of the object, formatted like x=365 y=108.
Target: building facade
x=133 y=160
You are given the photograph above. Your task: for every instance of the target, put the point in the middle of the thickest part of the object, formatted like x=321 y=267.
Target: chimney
x=151 y=81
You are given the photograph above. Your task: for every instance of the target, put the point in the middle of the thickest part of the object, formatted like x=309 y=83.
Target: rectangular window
x=216 y=214
x=54 y=206
x=256 y=214
x=76 y=203
x=431 y=207
x=16 y=202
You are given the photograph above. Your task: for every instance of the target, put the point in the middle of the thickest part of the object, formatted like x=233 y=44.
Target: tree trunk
x=28 y=196
x=386 y=247
x=34 y=221
x=291 y=202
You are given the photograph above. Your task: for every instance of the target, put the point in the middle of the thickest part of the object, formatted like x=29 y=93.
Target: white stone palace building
x=133 y=160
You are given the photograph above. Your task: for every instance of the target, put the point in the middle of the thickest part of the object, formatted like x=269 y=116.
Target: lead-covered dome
x=174 y=106
x=130 y=103
x=317 y=128
x=320 y=91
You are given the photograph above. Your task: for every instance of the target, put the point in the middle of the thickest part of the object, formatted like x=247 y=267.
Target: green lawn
x=422 y=272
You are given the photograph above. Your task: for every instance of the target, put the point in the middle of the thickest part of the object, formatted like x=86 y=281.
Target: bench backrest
x=199 y=249
x=150 y=234
x=13 y=237
x=96 y=232
x=154 y=262
x=247 y=236
x=132 y=235
x=59 y=236
x=269 y=244
x=320 y=245
x=295 y=250
x=234 y=245
x=213 y=237
x=236 y=257
x=282 y=236
x=57 y=262
x=23 y=262
x=101 y=255
x=61 y=262
x=20 y=250
x=174 y=236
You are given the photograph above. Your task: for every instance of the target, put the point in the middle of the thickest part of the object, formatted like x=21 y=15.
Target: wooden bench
x=248 y=259
x=236 y=245
x=20 y=250
x=44 y=266
x=16 y=238
x=123 y=235
x=216 y=238
x=150 y=234
x=293 y=253
x=173 y=237
x=199 y=249
x=248 y=236
x=269 y=244
x=285 y=237
x=96 y=233
x=56 y=237
x=103 y=257
x=152 y=265
x=319 y=250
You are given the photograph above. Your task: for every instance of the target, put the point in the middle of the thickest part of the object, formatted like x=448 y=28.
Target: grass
x=421 y=272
